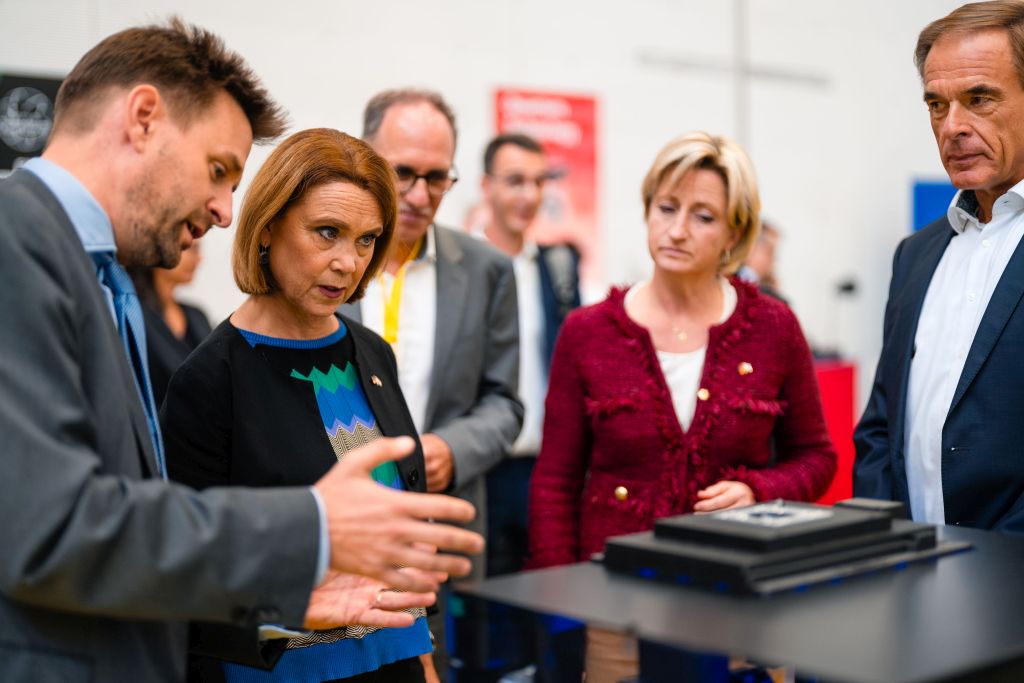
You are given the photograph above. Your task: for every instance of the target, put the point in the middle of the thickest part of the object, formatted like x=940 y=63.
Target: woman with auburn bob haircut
x=690 y=392
x=286 y=386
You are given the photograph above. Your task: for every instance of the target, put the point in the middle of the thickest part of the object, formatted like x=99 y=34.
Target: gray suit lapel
x=352 y=311
x=452 y=282
x=126 y=376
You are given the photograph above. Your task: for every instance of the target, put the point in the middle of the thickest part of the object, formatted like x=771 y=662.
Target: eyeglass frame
x=451 y=177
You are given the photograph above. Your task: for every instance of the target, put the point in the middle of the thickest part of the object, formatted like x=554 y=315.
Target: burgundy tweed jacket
x=614 y=456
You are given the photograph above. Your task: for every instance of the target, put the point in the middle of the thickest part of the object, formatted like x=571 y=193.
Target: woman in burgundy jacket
x=689 y=392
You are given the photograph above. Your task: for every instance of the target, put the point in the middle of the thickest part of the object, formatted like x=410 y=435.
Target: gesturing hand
x=347 y=599
x=723 y=495
x=374 y=529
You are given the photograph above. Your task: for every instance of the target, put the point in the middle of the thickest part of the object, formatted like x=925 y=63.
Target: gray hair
x=379 y=104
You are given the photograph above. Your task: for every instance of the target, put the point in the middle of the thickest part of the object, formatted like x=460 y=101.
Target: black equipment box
x=777 y=546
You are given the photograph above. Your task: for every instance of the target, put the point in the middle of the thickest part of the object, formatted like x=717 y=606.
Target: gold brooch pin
x=745 y=368
x=375 y=380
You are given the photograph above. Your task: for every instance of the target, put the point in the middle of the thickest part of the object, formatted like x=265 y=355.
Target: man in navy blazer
x=940 y=432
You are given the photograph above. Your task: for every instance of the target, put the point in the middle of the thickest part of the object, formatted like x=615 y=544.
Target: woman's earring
x=264 y=254
x=726 y=257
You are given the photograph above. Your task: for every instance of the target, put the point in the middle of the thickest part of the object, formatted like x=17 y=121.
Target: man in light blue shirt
x=940 y=432
x=103 y=561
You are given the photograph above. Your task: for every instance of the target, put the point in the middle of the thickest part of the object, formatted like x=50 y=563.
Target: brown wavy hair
x=306 y=160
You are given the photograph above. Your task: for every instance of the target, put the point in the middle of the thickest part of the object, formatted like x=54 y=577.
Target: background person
x=759 y=266
x=173 y=328
x=691 y=392
x=547 y=289
x=286 y=374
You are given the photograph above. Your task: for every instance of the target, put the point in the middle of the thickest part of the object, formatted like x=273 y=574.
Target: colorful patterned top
x=347 y=417
x=253 y=410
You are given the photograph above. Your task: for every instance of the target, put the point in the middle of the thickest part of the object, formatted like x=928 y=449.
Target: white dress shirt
x=417 y=320
x=957 y=297
x=532 y=373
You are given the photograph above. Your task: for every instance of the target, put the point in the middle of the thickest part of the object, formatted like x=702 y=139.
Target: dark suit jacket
x=558 y=266
x=101 y=562
x=982 y=466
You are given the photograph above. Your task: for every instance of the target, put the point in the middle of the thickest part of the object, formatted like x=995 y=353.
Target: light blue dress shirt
x=93 y=227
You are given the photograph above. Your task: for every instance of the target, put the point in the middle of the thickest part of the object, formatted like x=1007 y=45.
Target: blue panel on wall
x=931 y=199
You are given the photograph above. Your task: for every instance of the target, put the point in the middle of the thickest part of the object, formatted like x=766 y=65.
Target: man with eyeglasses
x=447 y=304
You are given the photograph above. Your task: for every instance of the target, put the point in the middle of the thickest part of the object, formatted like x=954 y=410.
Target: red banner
x=566 y=126
x=837 y=380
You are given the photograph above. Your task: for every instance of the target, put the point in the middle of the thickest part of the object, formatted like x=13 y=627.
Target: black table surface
x=961 y=616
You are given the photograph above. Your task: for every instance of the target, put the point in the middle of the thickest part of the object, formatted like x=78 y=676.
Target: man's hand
x=438 y=457
x=347 y=599
x=374 y=529
x=724 y=495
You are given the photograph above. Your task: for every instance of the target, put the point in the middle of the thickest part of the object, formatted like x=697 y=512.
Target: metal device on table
x=776 y=546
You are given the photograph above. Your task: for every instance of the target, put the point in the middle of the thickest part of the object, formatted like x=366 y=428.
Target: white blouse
x=683 y=370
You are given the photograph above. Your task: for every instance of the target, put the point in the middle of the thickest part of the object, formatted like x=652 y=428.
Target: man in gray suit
x=101 y=560
x=446 y=303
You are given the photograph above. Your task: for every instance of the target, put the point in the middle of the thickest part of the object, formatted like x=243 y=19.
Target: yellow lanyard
x=393 y=300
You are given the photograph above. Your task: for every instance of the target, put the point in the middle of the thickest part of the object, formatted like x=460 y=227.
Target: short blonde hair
x=698 y=150
x=306 y=160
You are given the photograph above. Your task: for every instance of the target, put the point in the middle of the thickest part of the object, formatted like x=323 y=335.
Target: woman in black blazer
x=285 y=387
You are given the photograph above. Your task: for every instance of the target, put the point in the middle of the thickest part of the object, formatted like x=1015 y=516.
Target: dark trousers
x=508 y=492
x=437 y=621
x=491 y=639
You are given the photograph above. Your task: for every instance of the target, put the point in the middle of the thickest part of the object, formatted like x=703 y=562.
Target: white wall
x=836 y=140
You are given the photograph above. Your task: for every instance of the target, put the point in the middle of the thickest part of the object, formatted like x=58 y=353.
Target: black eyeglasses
x=438 y=181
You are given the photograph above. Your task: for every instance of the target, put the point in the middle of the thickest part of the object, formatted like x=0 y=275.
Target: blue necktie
x=130 y=324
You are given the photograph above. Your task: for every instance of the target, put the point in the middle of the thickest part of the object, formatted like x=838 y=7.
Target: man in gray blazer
x=447 y=304
x=102 y=561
